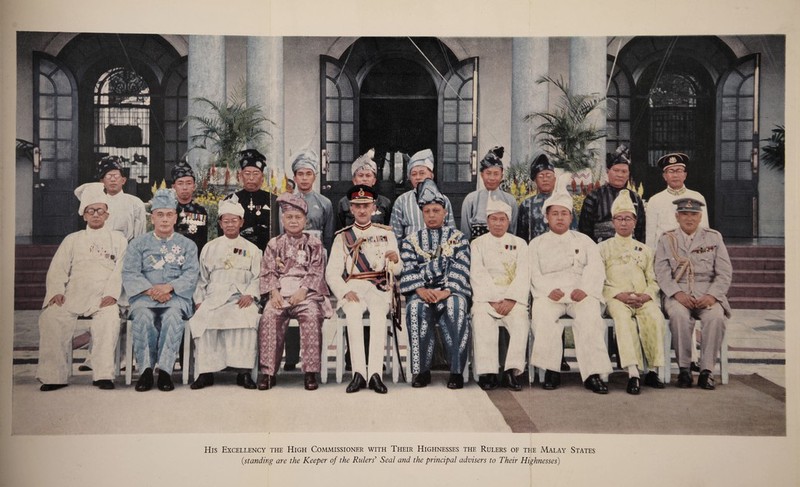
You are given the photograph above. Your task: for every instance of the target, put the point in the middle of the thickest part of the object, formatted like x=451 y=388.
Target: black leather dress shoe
x=203 y=380
x=164 y=382
x=287 y=367
x=266 y=382
x=357 y=383
x=104 y=384
x=634 y=386
x=52 y=387
x=456 y=381
x=653 y=380
x=510 y=381
x=487 y=382
x=706 y=380
x=552 y=380
x=145 y=382
x=595 y=384
x=310 y=381
x=684 y=378
x=377 y=385
x=84 y=368
x=243 y=379
x=422 y=379
x=565 y=366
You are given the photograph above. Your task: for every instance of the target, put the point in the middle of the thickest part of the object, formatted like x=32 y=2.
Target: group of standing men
x=238 y=292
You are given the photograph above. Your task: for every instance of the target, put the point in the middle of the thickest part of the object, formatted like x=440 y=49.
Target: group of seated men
x=238 y=292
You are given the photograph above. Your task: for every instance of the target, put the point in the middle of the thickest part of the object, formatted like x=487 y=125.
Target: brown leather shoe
x=266 y=382
x=310 y=381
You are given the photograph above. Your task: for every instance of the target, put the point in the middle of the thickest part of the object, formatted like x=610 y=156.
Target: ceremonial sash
x=361 y=269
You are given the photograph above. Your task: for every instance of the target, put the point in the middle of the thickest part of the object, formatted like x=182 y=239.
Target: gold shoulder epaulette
x=343 y=229
x=385 y=227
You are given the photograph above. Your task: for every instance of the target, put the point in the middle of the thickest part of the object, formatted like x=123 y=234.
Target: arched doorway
x=119 y=94
x=691 y=94
x=399 y=95
x=675 y=113
x=398 y=117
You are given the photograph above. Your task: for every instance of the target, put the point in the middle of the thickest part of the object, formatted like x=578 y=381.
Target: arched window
x=122 y=120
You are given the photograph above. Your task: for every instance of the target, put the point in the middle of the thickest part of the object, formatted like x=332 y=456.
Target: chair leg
x=723 y=359
x=128 y=353
x=187 y=353
x=340 y=350
x=666 y=370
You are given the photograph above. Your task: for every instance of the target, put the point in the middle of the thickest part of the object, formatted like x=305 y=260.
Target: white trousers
x=588 y=330
x=485 y=329
x=378 y=303
x=56 y=329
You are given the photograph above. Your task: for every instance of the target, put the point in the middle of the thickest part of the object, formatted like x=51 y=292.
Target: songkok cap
x=180 y=170
x=292 y=202
x=620 y=156
x=252 y=158
x=107 y=164
x=89 y=194
x=365 y=162
x=228 y=207
x=541 y=163
x=689 y=204
x=492 y=158
x=361 y=193
x=164 y=198
x=673 y=159
x=428 y=192
x=496 y=205
x=421 y=158
x=622 y=203
x=306 y=159
x=558 y=199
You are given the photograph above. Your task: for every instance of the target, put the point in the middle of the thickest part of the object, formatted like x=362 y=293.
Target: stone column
x=587 y=75
x=529 y=62
x=265 y=89
x=206 y=66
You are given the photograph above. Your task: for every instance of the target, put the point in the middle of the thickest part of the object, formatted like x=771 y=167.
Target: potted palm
x=566 y=133
x=224 y=130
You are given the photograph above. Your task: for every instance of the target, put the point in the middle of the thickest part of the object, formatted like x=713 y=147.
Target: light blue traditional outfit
x=473 y=210
x=436 y=259
x=406 y=214
x=158 y=327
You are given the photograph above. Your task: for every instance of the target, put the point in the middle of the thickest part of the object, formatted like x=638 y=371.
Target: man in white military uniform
x=661 y=206
x=500 y=288
x=225 y=322
x=567 y=277
x=630 y=292
x=362 y=257
x=84 y=279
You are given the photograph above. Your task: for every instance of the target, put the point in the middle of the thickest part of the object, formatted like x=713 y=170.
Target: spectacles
x=94 y=211
x=624 y=219
x=112 y=177
x=674 y=171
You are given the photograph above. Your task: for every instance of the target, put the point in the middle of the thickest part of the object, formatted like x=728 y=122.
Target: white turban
x=89 y=194
x=228 y=207
x=495 y=205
